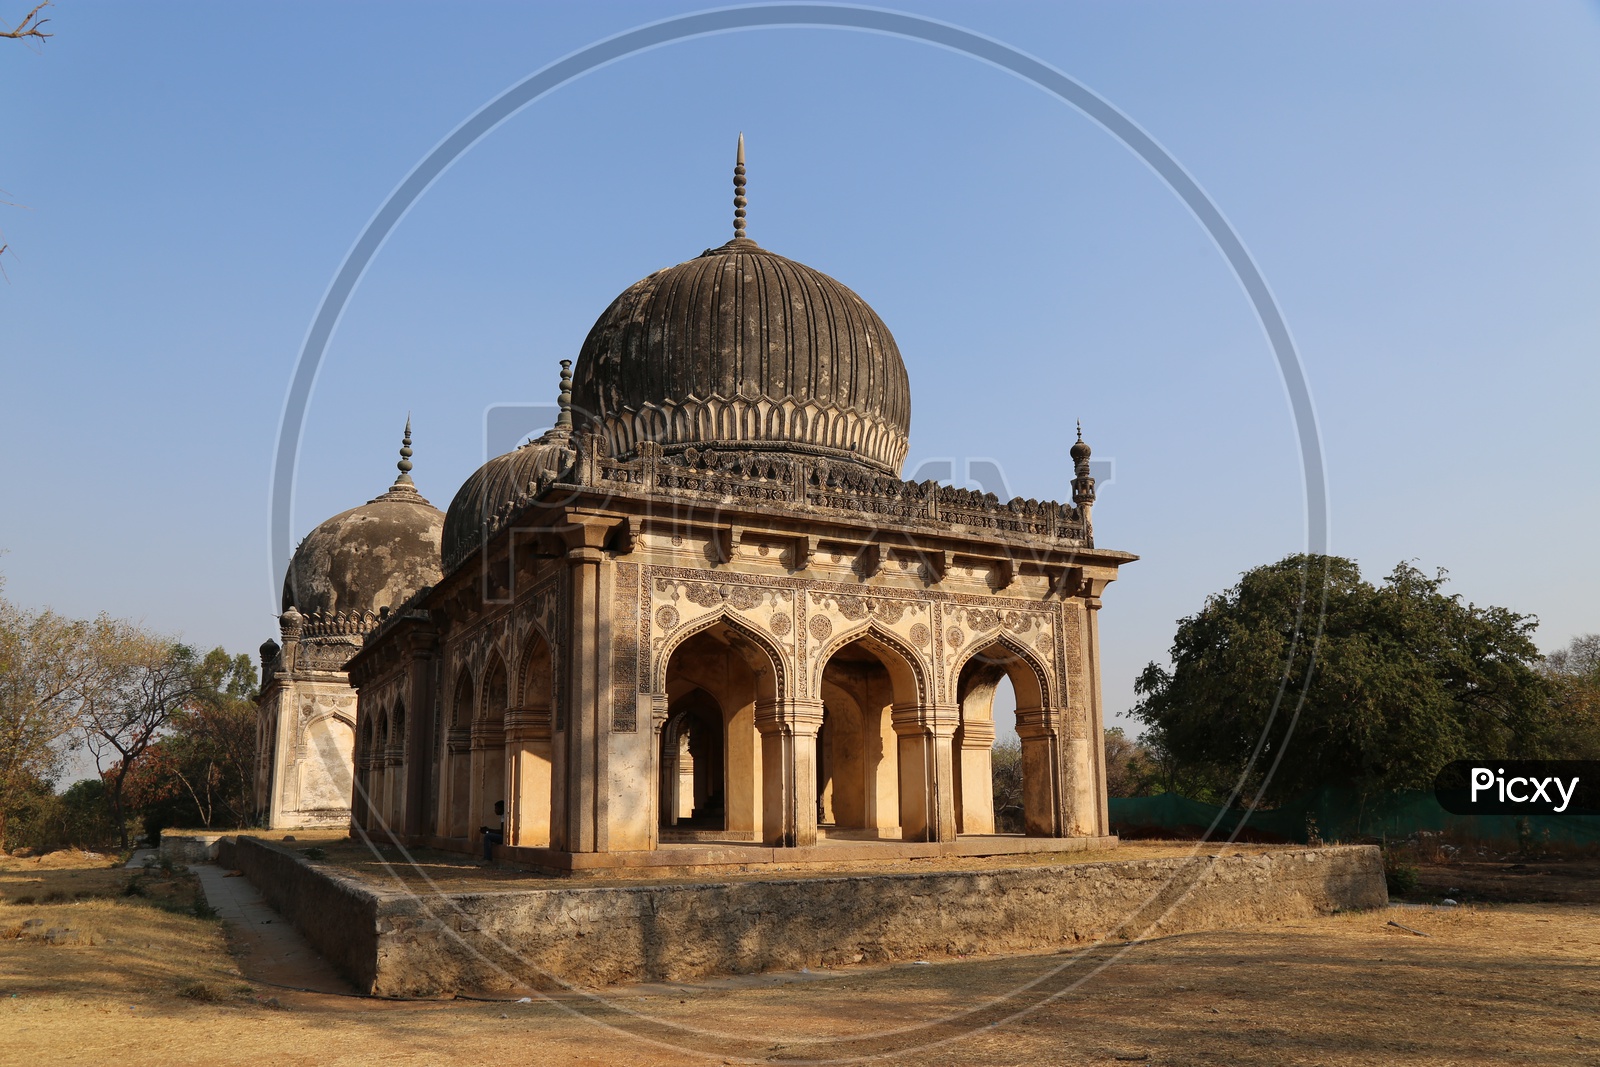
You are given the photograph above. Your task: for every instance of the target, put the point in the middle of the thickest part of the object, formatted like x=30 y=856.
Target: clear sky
x=1417 y=183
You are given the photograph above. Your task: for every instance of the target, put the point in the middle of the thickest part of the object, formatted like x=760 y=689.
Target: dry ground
x=1501 y=984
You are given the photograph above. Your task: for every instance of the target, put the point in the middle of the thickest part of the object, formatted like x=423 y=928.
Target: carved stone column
x=579 y=801
x=925 y=733
x=488 y=773
x=528 y=777
x=974 y=760
x=419 y=740
x=455 y=794
x=789 y=771
x=1047 y=804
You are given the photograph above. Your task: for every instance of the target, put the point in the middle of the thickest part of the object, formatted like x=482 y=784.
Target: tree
x=1574 y=675
x=142 y=681
x=31 y=27
x=1400 y=680
x=44 y=669
x=209 y=756
x=1130 y=768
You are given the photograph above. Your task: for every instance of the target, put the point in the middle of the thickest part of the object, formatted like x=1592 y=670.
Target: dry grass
x=68 y=925
x=1488 y=986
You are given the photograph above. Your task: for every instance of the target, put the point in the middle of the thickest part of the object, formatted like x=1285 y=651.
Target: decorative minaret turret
x=564 y=401
x=738 y=193
x=405 y=457
x=1083 y=482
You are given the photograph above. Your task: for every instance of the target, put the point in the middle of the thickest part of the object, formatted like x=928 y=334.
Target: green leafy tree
x=1574 y=674
x=1402 y=679
x=1131 y=769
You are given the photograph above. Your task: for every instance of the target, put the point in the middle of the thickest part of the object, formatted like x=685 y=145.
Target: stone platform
x=711 y=858
x=504 y=932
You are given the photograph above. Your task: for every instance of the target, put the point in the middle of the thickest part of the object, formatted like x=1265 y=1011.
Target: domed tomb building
x=344 y=577
x=704 y=614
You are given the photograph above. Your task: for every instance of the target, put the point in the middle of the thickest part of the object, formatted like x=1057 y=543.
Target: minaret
x=564 y=401
x=1083 y=482
x=738 y=193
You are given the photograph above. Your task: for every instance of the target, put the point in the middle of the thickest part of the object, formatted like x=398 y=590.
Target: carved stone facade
x=702 y=608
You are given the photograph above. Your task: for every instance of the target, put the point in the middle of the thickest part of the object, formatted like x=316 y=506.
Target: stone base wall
x=393 y=943
x=337 y=915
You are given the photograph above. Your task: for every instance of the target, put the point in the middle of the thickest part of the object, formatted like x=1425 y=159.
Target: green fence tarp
x=1343 y=817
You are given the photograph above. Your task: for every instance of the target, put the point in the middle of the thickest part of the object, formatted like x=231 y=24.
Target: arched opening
x=528 y=749
x=692 y=783
x=858 y=766
x=458 y=746
x=1015 y=792
x=488 y=749
x=884 y=680
x=714 y=680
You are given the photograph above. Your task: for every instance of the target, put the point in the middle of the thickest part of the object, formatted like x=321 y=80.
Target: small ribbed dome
x=375 y=556
x=741 y=348
x=502 y=483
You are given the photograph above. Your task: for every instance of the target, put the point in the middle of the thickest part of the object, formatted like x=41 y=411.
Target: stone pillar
x=419 y=739
x=578 y=801
x=789 y=771
x=455 y=795
x=528 y=778
x=1094 y=812
x=924 y=734
x=974 y=758
x=1046 y=801
x=488 y=771
x=394 y=772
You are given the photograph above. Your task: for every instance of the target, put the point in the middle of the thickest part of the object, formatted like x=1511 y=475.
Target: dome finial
x=405 y=455
x=564 y=419
x=738 y=191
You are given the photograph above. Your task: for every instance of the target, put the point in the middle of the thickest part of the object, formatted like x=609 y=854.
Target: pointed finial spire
x=564 y=419
x=405 y=456
x=738 y=191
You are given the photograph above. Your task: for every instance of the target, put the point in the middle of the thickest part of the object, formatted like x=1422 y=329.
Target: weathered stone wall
x=189 y=847
x=605 y=935
x=337 y=915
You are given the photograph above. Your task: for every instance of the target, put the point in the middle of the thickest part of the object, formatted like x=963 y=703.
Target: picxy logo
x=1519 y=787
x=1522 y=789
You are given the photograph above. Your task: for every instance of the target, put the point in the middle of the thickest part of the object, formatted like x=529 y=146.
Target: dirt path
x=268 y=949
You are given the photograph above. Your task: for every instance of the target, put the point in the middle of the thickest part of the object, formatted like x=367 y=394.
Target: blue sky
x=1416 y=182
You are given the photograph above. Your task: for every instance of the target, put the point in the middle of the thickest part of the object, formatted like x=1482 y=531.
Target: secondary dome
x=375 y=556
x=741 y=348
x=500 y=485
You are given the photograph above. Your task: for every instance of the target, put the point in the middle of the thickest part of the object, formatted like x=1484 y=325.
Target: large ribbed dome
x=741 y=348
x=374 y=556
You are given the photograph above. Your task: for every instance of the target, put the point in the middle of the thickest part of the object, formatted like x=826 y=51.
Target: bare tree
x=142 y=680
x=31 y=26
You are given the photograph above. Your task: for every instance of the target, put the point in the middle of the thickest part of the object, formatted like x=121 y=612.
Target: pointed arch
x=1028 y=676
x=536 y=672
x=775 y=675
x=496 y=695
x=906 y=669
